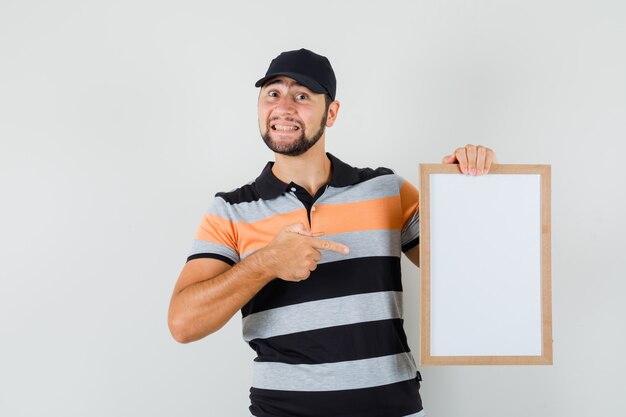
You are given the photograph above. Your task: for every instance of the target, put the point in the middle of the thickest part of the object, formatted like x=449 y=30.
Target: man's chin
x=289 y=145
x=283 y=145
x=287 y=151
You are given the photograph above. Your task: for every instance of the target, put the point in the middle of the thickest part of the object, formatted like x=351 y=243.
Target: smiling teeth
x=279 y=127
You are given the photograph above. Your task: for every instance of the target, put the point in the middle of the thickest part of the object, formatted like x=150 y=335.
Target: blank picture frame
x=485 y=266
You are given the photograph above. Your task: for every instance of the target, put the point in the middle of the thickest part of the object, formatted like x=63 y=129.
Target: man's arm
x=414 y=255
x=209 y=292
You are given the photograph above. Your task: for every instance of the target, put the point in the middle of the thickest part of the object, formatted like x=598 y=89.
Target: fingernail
x=472 y=171
x=346 y=250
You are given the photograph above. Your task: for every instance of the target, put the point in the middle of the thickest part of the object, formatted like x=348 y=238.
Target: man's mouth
x=284 y=128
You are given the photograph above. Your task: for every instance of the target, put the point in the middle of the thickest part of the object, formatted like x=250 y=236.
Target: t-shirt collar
x=270 y=187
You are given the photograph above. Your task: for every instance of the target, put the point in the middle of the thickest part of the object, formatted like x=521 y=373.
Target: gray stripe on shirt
x=379 y=187
x=366 y=243
x=411 y=229
x=363 y=373
x=250 y=212
x=320 y=314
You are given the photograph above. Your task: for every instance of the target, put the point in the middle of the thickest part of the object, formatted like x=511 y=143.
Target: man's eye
x=272 y=94
x=301 y=97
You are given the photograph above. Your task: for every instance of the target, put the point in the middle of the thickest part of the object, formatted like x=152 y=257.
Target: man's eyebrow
x=280 y=81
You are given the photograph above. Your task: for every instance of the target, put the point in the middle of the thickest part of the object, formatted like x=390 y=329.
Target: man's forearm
x=204 y=307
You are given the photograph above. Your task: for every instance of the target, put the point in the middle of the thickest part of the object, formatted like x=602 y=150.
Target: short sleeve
x=216 y=236
x=409 y=198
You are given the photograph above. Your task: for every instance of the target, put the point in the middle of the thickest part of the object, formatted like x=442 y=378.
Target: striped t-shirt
x=333 y=344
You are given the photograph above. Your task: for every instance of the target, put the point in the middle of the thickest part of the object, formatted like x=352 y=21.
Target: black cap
x=308 y=68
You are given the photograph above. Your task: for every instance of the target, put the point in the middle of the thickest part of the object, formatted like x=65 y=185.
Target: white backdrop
x=119 y=120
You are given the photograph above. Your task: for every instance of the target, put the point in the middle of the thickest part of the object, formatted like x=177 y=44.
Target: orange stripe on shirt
x=244 y=237
x=254 y=236
x=217 y=230
x=410 y=201
x=328 y=219
x=378 y=214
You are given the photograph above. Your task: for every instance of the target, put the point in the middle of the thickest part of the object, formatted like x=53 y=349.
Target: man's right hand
x=294 y=252
x=209 y=291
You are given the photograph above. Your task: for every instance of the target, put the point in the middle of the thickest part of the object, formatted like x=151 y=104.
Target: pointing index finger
x=324 y=244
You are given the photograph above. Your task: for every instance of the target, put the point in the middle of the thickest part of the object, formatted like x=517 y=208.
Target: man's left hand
x=472 y=159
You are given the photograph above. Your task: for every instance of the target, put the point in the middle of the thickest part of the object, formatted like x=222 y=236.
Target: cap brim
x=309 y=83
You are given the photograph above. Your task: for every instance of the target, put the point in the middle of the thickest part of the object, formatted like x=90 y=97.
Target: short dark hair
x=327 y=101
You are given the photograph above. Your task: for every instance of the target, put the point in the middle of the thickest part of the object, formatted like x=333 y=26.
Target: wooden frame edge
x=546 y=263
x=424 y=283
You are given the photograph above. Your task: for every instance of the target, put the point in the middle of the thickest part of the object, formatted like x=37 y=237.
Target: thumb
x=297 y=228
x=450 y=159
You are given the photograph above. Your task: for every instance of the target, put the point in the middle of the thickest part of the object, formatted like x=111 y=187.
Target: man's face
x=292 y=118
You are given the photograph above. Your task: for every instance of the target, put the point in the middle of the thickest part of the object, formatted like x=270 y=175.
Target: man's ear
x=333 y=110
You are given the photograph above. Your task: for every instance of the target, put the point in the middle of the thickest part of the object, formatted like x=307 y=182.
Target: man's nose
x=285 y=105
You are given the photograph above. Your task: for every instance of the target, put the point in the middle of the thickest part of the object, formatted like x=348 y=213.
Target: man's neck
x=311 y=170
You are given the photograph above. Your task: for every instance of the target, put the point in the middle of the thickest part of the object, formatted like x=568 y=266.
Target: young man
x=324 y=314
